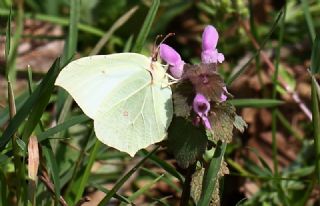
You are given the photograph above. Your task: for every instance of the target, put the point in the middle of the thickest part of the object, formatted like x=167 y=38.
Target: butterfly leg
x=167 y=84
x=172 y=78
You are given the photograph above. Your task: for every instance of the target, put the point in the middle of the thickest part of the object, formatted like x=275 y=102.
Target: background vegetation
x=271 y=68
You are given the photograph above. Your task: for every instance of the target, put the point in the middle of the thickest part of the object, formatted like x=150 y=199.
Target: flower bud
x=210 y=38
x=173 y=58
x=209 y=53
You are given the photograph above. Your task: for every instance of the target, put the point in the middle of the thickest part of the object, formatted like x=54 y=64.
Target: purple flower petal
x=201 y=105
x=177 y=70
x=209 y=56
x=210 y=38
x=206 y=122
x=169 y=55
x=209 y=53
x=223 y=95
x=220 y=57
x=212 y=56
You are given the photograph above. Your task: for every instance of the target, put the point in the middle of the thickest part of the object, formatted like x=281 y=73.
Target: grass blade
x=3 y=189
x=32 y=102
x=39 y=106
x=316 y=124
x=121 y=181
x=52 y=165
x=307 y=16
x=211 y=174
x=87 y=171
x=143 y=189
x=8 y=43
x=142 y=36
x=122 y=20
x=274 y=110
x=315 y=60
x=117 y=196
x=71 y=42
x=57 y=20
x=19 y=101
x=256 y=103
x=64 y=126
x=164 y=165
x=235 y=75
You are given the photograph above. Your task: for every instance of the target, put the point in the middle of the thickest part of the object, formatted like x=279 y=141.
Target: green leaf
x=36 y=99
x=121 y=181
x=266 y=169
x=40 y=105
x=237 y=73
x=57 y=20
x=8 y=43
x=87 y=172
x=255 y=103
x=316 y=124
x=3 y=188
x=239 y=123
x=71 y=42
x=144 y=31
x=288 y=78
x=164 y=165
x=182 y=97
x=61 y=127
x=21 y=144
x=315 y=56
x=143 y=189
x=211 y=175
x=196 y=187
x=186 y=141
x=221 y=118
x=117 y=196
x=308 y=17
x=52 y=167
x=19 y=101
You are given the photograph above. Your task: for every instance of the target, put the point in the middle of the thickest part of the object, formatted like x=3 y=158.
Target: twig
x=47 y=182
x=83 y=200
x=267 y=60
x=187 y=185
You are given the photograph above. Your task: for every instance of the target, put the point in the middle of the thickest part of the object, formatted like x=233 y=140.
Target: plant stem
x=186 y=185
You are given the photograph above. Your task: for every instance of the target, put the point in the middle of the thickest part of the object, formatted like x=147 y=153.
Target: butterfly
x=124 y=95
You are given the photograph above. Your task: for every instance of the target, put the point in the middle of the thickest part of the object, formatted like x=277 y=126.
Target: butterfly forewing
x=130 y=111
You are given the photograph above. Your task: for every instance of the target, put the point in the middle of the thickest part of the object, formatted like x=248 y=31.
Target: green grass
x=74 y=164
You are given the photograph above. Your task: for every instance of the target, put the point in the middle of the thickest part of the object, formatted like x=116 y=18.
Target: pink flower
x=223 y=95
x=201 y=106
x=210 y=53
x=169 y=55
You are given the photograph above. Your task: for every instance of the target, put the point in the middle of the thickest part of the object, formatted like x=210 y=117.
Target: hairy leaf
x=239 y=123
x=205 y=80
x=182 y=97
x=221 y=118
x=186 y=141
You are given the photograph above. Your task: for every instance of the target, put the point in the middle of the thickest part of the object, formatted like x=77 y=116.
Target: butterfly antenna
x=155 y=49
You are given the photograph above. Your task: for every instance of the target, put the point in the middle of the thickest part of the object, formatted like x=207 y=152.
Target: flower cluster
x=209 y=55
